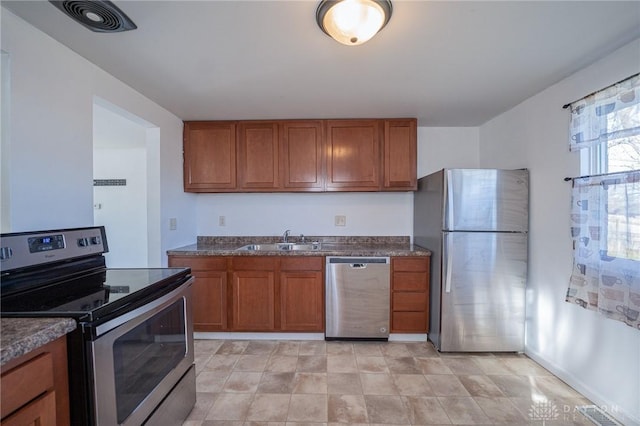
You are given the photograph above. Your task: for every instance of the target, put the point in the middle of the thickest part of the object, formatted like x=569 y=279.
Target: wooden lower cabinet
x=410 y=294
x=302 y=294
x=209 y=290
x=254 y=294
x=35 y=389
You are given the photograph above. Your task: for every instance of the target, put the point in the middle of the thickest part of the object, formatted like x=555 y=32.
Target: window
x=605 y=202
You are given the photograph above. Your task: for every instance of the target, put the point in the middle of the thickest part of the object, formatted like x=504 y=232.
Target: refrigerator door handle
x=448 y=256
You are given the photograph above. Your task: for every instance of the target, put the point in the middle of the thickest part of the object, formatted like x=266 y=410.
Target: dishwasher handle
x=358 y=262
x=358 y=265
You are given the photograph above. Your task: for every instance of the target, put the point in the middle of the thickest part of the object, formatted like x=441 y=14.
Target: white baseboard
x=600 y=400
x=293 y=336
x=257 y=336
x=407 y=337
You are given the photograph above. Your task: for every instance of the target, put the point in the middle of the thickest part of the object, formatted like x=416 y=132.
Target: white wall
x=597 y=356
x=447 y=147
x=120 y=152
x=52 y=93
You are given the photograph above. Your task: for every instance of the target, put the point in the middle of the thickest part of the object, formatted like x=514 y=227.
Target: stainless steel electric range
x=131 y=357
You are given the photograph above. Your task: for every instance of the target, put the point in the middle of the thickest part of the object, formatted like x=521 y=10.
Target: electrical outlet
x=222 y=221
x=173 y=224
x=341 y=220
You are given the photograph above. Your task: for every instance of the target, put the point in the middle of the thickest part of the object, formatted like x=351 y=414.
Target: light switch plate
x=341 y=220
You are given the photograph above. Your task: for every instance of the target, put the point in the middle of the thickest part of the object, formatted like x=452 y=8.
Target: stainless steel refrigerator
x=475 y=222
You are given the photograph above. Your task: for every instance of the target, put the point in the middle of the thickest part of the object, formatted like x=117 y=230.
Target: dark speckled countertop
x=330 y=246
x=23 y=335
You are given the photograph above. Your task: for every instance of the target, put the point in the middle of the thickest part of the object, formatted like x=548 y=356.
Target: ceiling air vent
x=100 y=16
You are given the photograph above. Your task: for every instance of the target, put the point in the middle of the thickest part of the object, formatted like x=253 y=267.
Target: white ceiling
x=448 y=63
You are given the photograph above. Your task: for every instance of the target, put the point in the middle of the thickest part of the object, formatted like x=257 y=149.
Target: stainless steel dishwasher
x=357 y=298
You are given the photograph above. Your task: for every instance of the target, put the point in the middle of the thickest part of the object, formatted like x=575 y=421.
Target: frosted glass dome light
x=353 y=22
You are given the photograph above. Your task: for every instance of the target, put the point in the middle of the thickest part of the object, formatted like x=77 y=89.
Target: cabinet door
x=210 y=301
x=353 y=149
x=209 y=156
x=400 y=155
x=41 y=411
x=302 y=155
x=253 y=300
x=258 y=156
x=301 y=301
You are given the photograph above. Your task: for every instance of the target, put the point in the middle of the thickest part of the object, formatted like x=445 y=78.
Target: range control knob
x=95 y=240
x=83 y=242
x=5 y=253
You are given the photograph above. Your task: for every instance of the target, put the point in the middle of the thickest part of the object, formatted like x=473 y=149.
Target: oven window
x=143 y=356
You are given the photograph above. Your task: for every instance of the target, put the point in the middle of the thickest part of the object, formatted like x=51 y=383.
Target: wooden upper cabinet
x=353 y=155
x=258 y=165
x=209 y=156
x=302 y=155
x=400 y=155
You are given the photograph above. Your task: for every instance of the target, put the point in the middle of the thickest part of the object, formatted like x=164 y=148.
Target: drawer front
x=410 y=281
x=409 y=301
x=253 y=263
x=25 y=382
x=300 y=263
x=409 y=322
x=199 y=263
x=411 y=264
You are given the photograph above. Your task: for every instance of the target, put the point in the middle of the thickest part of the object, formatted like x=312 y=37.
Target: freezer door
x=483 y=292
x=486 y=200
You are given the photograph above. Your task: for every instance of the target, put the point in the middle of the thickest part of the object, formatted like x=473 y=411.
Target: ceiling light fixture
x=353 y=22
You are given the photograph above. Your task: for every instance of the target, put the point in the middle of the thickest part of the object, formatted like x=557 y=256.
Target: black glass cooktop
x=94 y=295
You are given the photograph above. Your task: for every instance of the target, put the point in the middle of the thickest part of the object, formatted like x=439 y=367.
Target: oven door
x=140 y=356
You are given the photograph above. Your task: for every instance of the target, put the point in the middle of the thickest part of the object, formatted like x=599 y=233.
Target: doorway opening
x=126 y=173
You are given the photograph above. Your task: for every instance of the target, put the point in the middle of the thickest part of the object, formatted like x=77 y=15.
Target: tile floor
x=323 y=383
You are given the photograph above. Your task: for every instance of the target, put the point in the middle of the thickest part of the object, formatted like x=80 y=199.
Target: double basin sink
x=314 y=246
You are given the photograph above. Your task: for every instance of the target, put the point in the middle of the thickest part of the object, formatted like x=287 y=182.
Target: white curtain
x=605 y=208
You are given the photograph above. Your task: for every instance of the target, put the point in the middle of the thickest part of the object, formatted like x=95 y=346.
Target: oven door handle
x=142 y=310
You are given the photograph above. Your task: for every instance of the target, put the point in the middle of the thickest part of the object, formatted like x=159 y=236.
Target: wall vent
x=100 y=16
x=597 y=416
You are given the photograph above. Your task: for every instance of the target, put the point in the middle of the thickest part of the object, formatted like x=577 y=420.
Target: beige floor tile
x=281 y=363
x=287 y=348
x=211 y=381
x=422 y=349
x=230 y=406
x=340 y=348
x=310 y=383
x=371 y=364
x=386 y=409
x=465 y=366
x=344 y=384
x=308 y=408
x=395 y=350
x=267 y=407
x=403 y=365
x=515 y=385
x=480 y=385
x=242 y=382
x=312 y=347
x=553 y=387
x=232 y=347
x=446 y=385
x=525 y=367
x=432 y=366
x=493 y=366
x=204 y=401
x=260 y=347
x=347 y=409
x=500 y=410
x=312 y=363
x=276 y=383
x=342 y=363
x=367 y=349
x=221 y=363
x=251 y=363
x=206 y=346
x=377 y=384
x=463 y=411
x=424 y=410
x=412 y=384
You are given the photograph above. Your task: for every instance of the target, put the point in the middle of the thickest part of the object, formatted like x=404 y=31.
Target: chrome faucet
x=285 y=236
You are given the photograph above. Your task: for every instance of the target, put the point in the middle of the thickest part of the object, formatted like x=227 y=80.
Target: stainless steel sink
x=282 y=247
